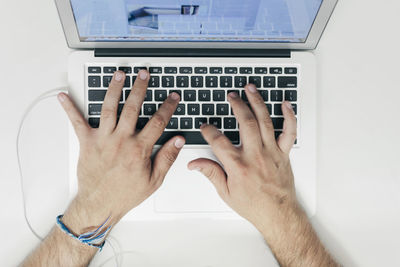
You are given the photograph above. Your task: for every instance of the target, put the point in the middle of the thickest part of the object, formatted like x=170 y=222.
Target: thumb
x=165 y=158
x=214 y=172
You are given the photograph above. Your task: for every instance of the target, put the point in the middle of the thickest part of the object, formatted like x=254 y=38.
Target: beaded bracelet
x=94 y=238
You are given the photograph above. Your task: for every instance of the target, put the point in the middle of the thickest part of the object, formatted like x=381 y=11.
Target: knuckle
x=251 y=123
x=258 y=100
x=219 y=139
x=169 y=157
x=107 y=112
x=131 y=110
x=158 y=121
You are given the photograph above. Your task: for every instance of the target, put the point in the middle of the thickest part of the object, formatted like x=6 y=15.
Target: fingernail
x=252 y=88
x=179 y=143
x=175 y=96
x=289 y=105
x=233 y=94
x=143 y=75
x=61 y=98
x=119 y=76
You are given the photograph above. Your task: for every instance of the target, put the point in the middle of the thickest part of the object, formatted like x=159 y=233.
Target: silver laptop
x=203 y=50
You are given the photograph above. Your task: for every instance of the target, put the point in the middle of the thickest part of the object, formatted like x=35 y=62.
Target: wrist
x=84 y=214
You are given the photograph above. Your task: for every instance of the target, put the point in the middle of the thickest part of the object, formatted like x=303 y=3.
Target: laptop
x=201 y=49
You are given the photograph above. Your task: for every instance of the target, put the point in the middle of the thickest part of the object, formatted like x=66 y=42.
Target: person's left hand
x=115 y=170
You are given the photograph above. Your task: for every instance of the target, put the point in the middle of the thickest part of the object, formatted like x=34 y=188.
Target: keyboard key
x=189 y=95
x=233 y=136
x=231 y=70
x=185 y=70
x=269 y=82
x=137 y=69
x=127 y=70
x=287 y=82
x=168 y=81
x=94 y=122
x=141 y=123
x=95 y=109
x=172 y=124
x=240 y=81
x=277 y=134
x=229 y=123
x=109 y=69
x=204 y=95
x=120 y=107
x=246 y=70
x=276 y=95
x=278 y=123
x=149 y=109
x=244 y=96
x=107 y=81
x=275 y=70
x=94 y=69
x=180 y=110
x=197 y=81
x=264 y=95
x=256 y=80
x=179 y=92
x=170 y=70
x=290 y=70
x=217 y=122
x=211 y=81
x=261 y=70
x=160 y=95
x=154 y=81
x=192 y=138
x=207 y=109
x=193 y=109
x=127 y=83
x=219 y=95
x=94 y=81
x=215 y=70
x=199 y=121
x=182 y=81
x=291 y=95
x=155 y=70
x=226 y=81
x=200 y=70
x=222 y=109
x=278 y=109
x=269 y=107
x=186 y=123
x=294 y=108
x=97 y=95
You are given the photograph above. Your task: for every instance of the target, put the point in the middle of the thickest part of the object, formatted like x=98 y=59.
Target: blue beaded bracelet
x=94 y=238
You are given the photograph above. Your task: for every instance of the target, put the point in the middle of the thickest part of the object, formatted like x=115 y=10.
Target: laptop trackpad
x=188 y=191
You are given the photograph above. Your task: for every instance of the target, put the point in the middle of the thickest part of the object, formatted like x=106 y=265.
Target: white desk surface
x=358 y=214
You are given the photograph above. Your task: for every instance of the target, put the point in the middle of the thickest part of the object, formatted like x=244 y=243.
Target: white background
x=358 y=205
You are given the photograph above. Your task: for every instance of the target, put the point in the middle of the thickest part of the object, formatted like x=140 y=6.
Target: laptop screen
x=281 y=21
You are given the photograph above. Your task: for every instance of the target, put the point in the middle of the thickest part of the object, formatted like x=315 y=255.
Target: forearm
x=58 y=249
x=294 y=241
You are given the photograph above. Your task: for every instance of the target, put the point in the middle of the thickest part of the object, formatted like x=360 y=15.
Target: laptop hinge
x=186 y=52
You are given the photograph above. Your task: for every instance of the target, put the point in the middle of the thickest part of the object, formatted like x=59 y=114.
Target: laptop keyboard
x=203 y=91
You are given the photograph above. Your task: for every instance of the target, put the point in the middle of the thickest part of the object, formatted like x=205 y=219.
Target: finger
x=131 y=110
x=220 y=144
x=79 y=123
x=214 y=172
x=261 y=112
x=248 y=125
x=164 y=159
x=156 y=126
x=108 y=118
x=288 y=137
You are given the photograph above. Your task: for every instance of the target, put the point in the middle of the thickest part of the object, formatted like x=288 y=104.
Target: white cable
x=48 y=94
x=43 y=96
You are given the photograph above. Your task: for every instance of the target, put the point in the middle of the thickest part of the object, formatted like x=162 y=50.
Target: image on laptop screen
x=195 y=20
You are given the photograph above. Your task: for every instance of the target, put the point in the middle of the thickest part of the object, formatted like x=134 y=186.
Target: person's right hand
x=257 y=179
